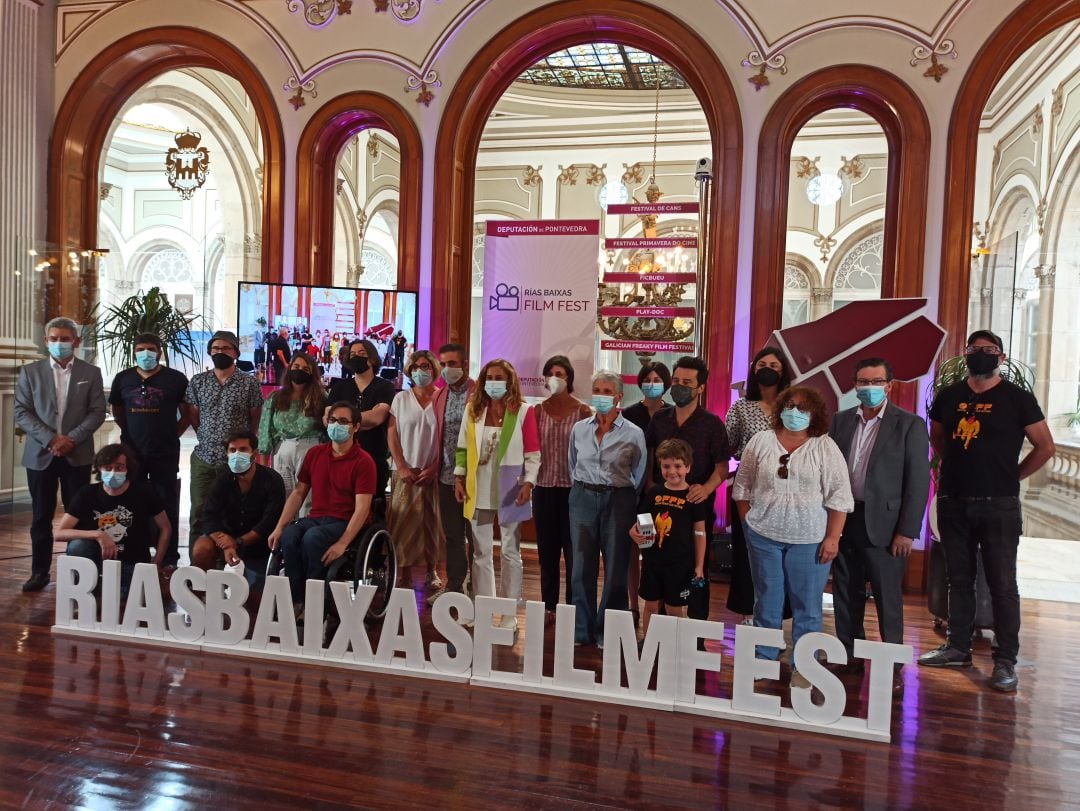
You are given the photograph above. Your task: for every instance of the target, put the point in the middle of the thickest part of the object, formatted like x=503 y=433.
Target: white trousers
x=483 y=562
x=287 y=461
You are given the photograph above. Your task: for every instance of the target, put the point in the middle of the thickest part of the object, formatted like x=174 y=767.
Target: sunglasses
x=782 y=471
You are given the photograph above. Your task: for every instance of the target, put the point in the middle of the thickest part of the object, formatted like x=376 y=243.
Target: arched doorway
x=82 y=126
x=551 y=28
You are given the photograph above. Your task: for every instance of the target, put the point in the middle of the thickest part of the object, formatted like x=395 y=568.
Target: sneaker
x=799 y=681
x=433 y=581
x=945 y=656
x=1004 y=677
x=36 y=582
x=509 y=621
x=435 y=596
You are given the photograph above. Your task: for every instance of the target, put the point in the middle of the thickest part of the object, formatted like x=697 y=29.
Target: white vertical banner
x=540 y=282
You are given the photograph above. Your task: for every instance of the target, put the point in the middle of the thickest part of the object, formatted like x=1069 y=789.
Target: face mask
x=358 y=365
x=299 y=377
x=61 y=350
x=239 y=462
x=979 y=363
x=496 y=389
x=146 y=359
x=222 y=361
x=871 y=396
x=113 y=479
x=682 y=396
x=556 y=385
x=451 y=374
x=337 y=433
x=421 y=378
x=767 y=377
x=794 y=419
x=603 y=403
x=652 y=390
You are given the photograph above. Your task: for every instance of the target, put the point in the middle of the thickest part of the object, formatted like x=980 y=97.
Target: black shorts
x=670 y=583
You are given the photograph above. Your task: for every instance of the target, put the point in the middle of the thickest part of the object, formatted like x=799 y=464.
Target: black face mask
x=979 y=363
x=682 y=395
x=767 y=377
x=358 y=365
x=299 y=377
x=222 y=361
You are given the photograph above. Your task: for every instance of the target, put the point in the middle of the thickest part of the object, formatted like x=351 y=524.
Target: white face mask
x=556 y=385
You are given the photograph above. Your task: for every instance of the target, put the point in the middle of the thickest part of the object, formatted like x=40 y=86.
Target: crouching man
x=240 y=512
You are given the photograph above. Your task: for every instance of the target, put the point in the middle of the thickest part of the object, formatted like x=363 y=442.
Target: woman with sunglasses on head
x=769 y=376
x=793 y=492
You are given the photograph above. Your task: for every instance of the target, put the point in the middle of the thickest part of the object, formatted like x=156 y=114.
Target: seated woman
x=117 y=518
x=793 y=493
x=241 y=509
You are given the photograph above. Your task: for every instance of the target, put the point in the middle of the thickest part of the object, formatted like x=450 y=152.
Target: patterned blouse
x=223 y=409
x=555 y=446
x=744 y=419
x=275 y=425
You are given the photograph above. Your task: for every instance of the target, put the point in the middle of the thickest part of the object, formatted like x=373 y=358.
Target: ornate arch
x=895 y=107
x=320 y=145
x=87 y=112
x=483 y=81
x=1029 y=23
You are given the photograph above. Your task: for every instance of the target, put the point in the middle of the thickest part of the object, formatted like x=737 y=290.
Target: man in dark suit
x=59 y=403
x=887 y=450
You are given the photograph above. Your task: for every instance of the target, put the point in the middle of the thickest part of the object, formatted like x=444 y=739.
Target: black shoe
x=36 y=582
x=1004 y=677
x=945 y=656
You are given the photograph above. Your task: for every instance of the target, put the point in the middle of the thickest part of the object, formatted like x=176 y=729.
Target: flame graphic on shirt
x=663 y=528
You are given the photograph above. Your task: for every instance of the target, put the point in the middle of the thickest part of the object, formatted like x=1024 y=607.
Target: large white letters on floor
x=668 y=657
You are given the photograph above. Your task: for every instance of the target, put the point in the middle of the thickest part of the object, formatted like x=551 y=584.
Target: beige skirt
x=413 y=521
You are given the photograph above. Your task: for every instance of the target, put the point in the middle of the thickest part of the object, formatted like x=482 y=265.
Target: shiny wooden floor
x=100 y=725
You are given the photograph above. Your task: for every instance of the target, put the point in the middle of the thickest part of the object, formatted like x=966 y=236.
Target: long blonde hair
x=480 y=400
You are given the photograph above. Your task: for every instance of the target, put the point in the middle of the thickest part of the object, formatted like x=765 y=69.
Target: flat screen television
x=339 y=312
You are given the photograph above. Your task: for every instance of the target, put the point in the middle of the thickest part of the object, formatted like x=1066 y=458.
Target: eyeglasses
x=426 y=367
x=782 y=471
x=339 y=421
x=877 y=381
x=986 y=350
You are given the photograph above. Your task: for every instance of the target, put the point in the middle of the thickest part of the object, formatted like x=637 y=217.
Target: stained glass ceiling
x=603 y=66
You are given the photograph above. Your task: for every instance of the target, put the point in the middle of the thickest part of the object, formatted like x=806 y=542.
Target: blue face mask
x=652 y=390
x=337 y=433
x=871 y=396
x=113 y=479
x=603 y=403
x=496 y=389
x=239 y=462
x=61 y=350
x=794 y=419
x=421 y=378
x=147 y=359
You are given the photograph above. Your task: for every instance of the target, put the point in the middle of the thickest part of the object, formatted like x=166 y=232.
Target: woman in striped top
x=555 y=419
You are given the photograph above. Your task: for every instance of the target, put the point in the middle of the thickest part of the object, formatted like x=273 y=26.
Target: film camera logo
x=507 y=299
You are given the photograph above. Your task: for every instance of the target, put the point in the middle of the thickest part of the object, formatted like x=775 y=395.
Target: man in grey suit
x=887 y=450
x=59 y=403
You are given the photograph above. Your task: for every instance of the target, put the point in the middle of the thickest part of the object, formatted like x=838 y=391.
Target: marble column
x=820 y=302
x=1043 y=335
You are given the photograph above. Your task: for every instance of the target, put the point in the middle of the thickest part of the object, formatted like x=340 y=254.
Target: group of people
x=465 y=460
x=274 y=350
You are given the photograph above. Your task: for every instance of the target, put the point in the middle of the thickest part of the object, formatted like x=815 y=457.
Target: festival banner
x=648 y=312
x=653 y=243
x=633 y=277
x=652 y=208
x=649 y=346
x=540 y=296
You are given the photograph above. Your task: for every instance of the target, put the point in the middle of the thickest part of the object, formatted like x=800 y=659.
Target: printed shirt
x=554 y=443
x=223 y=409
x=127 y=518
x=456 y=398
x=744 y=419
x=294 y=423
x=150 y=407
x=673 y=519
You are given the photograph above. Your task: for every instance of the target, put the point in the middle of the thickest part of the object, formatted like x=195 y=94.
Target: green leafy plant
x=953 y=370
x=119 y=324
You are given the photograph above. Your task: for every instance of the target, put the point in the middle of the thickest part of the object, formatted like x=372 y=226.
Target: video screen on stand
x=321 y=321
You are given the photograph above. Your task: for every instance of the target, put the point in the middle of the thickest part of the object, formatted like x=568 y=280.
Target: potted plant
x=119 y=324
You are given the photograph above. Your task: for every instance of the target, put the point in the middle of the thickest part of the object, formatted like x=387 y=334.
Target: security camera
x=703 y=170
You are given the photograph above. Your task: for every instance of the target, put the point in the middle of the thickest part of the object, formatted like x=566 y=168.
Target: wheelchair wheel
x=379 y=568
x=275 y=564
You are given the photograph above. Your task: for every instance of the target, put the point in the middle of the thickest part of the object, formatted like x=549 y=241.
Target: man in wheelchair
x=341 y=478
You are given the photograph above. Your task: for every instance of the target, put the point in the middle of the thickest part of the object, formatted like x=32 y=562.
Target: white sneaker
x=509 y=621
x=435 y=595
x=433 y=581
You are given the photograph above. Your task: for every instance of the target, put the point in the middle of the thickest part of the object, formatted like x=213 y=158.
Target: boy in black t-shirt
x=677 y=554
x=118 y=518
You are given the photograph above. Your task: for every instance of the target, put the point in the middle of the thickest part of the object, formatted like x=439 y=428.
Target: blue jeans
x=599 y=524
x=303 y=543
x=91 y=550
x=790 y=569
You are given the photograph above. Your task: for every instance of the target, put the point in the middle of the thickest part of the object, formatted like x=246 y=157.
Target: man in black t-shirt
x=119 y=518
x=372 y=396
x=278 y=354
x=977 y=428
x=148 y=404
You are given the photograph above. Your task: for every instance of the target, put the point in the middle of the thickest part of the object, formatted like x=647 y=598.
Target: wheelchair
x=370 y=560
